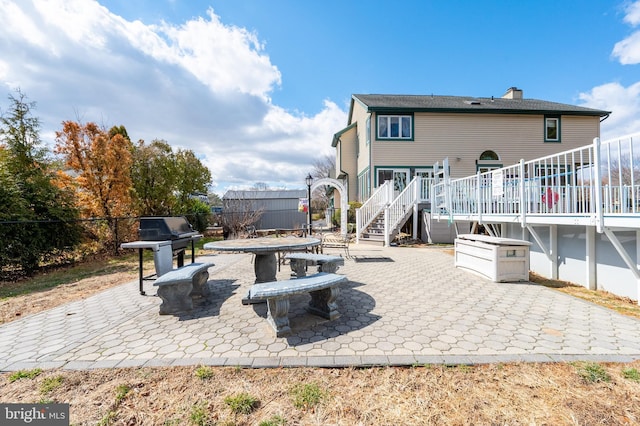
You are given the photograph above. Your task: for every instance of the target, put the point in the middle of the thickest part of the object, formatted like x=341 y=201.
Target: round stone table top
x=263 y=244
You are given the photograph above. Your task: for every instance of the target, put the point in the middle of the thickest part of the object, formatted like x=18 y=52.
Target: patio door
x=400 y=178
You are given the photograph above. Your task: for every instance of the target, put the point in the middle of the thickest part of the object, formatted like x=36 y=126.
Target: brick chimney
x=513 y=93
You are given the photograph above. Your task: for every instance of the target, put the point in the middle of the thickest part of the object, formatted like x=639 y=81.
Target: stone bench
x=177 y=287
x=322 y=286
x=325 y=262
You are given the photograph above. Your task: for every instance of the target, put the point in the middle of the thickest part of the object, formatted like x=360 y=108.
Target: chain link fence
x=27 y=246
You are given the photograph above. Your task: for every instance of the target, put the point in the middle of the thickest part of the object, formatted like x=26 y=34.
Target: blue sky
x=257 y=88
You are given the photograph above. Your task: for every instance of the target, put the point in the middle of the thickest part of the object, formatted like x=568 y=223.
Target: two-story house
x=397 y=137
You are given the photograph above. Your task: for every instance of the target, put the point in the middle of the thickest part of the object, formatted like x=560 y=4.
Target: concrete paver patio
x=402 y=306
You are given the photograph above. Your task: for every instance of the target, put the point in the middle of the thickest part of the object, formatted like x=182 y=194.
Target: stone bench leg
x=278 y=316
x=329 y=267
x=299 y=266
x=176 y=297
x=200 y=288
x=323 y=303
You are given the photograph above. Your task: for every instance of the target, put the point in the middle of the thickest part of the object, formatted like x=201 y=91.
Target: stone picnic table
x=265 y=249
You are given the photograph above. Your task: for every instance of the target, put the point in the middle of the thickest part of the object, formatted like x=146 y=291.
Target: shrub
x=242 y=403
x=307 y=395
x=51 y=383
x=203 y=372
x=24 y=374
x=593 y=373
x=631 y=374
x=199 y=415
x=274 y=421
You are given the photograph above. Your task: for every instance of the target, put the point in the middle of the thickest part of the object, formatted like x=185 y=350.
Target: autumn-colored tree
x=101 y=162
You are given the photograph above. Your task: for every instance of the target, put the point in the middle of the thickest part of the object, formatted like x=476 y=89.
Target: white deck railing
x=581 y=185
x=425 y=188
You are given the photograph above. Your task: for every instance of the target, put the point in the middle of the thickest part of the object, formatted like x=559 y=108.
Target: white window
x=552 y=129
x=395 y=127
x=488 y=161
x=364 y=186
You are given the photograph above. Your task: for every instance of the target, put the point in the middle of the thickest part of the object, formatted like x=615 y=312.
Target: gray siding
x=612 y=273
x=280 y=208
x=282 y=219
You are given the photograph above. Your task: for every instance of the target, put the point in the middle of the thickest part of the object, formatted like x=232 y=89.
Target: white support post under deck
x=416 y=200
x=553 y=249
x=590 y=257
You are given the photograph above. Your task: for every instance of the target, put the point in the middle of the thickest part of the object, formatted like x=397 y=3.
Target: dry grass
x=40 y=294
x=514 y=394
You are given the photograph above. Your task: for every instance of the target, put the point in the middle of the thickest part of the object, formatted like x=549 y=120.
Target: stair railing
x=372 y=208
x=400 y=208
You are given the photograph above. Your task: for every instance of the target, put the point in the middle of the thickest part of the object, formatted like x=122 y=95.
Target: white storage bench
x=498 y=259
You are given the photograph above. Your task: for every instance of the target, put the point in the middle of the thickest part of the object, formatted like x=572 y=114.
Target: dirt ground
x=514 y=394
x=16 y=307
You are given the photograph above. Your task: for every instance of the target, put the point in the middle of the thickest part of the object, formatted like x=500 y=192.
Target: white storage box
x=498 y=259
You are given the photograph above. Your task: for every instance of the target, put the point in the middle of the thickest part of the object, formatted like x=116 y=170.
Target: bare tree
x=323 y=167
x=624 y=172
x=260 y=186
x=237 y=215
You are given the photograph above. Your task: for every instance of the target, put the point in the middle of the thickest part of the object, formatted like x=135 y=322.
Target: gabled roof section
x=336 y=137
x=467 y=104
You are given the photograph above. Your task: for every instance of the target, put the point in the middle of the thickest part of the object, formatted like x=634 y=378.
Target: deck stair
x=374 y=233
x=383 y=215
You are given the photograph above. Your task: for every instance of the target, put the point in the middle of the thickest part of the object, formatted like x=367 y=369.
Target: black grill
x=167 y=228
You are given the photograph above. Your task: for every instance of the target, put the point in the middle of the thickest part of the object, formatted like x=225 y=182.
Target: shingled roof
x=467 y=104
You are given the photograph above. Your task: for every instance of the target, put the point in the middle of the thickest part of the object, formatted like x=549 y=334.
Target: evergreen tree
x=29 y=193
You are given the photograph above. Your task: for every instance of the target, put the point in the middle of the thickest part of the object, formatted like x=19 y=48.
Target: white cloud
x=288 y=146
x=624 y=102
x=627 y=51
x=633 y=13
x=200 y=85
x=84 y=22
x=14 y=19
x=224 y=58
